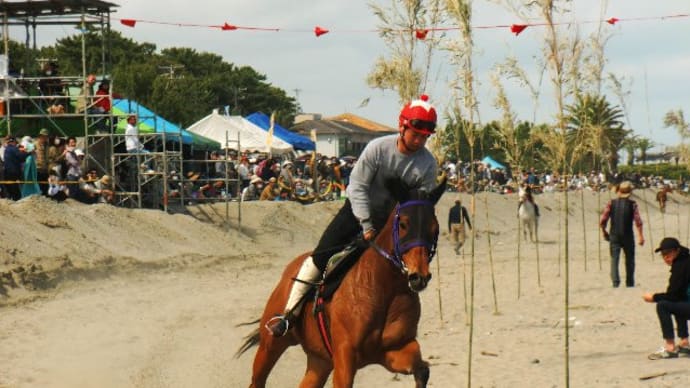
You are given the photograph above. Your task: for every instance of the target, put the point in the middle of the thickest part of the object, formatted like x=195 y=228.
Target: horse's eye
x=403 y=225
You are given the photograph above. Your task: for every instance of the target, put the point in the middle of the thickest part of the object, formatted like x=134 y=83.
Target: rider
x=400 y=156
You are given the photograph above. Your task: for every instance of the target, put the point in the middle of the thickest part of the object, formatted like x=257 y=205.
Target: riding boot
x=308 y=274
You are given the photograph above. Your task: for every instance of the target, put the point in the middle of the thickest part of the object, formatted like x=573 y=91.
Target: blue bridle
x=400 y=249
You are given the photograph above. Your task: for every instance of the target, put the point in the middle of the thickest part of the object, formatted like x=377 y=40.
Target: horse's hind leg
x=408 y=360
x=317 y=373
x=269 y=351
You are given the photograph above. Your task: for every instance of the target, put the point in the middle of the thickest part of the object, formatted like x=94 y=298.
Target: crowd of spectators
x=51 y=166
x=249 y=178
x=488 y=178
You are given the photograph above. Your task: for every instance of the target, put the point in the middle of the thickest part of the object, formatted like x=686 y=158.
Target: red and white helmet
x=419 y=115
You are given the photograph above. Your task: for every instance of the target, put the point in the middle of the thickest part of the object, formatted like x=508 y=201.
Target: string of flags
x=420 y=33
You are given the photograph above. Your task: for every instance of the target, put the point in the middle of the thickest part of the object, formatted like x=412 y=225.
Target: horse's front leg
x=344 y=367
x=408 y=360
x=317 y=372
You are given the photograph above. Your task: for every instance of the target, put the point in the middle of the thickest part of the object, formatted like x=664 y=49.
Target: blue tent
x=298 y=142
x=494 y=164
x=151 y=122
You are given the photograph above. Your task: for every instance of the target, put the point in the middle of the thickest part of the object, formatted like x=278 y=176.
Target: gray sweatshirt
x=381 y=160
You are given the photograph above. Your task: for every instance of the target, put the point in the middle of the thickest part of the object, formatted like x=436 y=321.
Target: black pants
x=627 y=244
x=42 y=181
x=13 y=191
x=343 y=229
x=680 y=310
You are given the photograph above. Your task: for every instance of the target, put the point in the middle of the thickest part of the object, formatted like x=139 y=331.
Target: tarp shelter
x=223 y=128
x=298 y=142
x=150 y=122
x=492 y=163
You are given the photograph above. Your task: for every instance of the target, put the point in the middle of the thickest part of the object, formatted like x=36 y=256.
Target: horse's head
x=415 y=234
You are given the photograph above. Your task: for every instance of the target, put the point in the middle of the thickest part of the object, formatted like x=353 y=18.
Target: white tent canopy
x=226 y=129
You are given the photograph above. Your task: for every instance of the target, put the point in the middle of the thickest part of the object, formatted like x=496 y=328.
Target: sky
x=328 y=74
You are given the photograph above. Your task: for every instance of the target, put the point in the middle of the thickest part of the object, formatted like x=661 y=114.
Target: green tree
x=595 y=132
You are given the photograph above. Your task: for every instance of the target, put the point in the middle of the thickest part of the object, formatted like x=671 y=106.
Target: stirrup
x=278 y=326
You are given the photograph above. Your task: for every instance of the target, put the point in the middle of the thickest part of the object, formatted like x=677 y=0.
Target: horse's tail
x=250 y=340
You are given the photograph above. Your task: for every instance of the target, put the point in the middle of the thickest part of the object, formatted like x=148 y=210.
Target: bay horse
x=662 y=197
x=373 y=316
x=527 y=214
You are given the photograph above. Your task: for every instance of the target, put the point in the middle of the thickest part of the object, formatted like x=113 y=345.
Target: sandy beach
x=98 y=296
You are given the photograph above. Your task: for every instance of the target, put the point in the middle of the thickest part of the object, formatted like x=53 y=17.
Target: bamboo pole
x=558 y=200
x=491 y=255
x=649 y=223
x=519 y=253
x=598 y=234
x=438 y=286
x=584 y=224
x=536 y=237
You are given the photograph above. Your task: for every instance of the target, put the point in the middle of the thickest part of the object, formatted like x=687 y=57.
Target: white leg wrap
x=307 y=273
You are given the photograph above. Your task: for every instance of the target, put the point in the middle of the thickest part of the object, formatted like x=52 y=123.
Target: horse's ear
x=438 y=191
x=398 y=189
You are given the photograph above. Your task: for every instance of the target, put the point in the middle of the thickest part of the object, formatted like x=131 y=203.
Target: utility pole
x=170 y=69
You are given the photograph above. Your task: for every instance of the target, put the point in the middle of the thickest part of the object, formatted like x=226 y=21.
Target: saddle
x=336 y=269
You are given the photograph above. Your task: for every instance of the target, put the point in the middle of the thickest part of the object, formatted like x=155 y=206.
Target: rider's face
x=414 y=140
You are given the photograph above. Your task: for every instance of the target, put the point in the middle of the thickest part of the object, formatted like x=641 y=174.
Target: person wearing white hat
x=253 y=191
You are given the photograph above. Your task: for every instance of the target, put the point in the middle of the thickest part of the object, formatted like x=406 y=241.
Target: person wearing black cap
x=675 y=302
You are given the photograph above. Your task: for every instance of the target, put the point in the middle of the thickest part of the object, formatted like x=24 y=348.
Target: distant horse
x=662 y=197
x=372 y=318
x=527 y=213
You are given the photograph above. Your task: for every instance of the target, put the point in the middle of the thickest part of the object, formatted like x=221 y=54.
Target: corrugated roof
x=362 y=122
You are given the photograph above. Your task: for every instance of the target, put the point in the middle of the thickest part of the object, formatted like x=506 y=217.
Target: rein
x=399 y=249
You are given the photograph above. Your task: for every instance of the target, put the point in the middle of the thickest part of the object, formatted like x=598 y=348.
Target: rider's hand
x=606 y=235
x=369 y=234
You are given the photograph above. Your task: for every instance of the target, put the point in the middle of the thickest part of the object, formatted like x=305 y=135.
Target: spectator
x=29 y=185
x=254 y=190
x=271 y=191
x=102 y=103
x=13 y=158
x=622 y=212
x=73 y=158
x=42 y=159
x=457 y=217
x=243 y=173
x=56 y=190
x=674 y=302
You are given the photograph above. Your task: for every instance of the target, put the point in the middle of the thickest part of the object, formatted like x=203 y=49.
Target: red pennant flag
x=318 y=31
x=517 y=28
x=228 y=27
x=128 y=22
x=421 y=34
x=612 y=21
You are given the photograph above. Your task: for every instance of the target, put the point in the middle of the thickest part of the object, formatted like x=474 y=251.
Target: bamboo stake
x=536 y=236
x=519 y=240
x=491 y=254
x=584 y=224
x=438 y=286
x=464 y=287
x=598 y=234
x=678 y=217
x=558 y=200
x=649 y=223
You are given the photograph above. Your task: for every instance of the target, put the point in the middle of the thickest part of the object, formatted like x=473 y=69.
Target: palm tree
x=595 y=131
x=644 y=144
x=631 y=143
